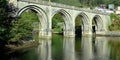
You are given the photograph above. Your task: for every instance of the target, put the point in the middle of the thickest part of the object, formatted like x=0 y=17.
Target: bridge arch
x=41 y=15
x=85 y=21
x=98 y=22
x=67 y=19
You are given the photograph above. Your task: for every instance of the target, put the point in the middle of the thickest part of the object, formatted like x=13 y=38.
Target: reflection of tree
x=57 y=47
x=115 y=49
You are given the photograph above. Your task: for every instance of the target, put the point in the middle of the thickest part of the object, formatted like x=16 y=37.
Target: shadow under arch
x=43 y=18
x=67 y=20
x=84 y=20
x=98 y=23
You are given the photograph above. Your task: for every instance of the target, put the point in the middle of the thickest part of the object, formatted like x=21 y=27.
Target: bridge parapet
x=64 y=6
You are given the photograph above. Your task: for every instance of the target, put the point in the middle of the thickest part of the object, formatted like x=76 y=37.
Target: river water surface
x=79 y=48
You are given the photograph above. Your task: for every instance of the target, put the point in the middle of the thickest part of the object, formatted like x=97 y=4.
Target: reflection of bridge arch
x=67 y=18
x=102 y=48
x=69 y=48
x=41 y=14
x=87 y=51
x=99 y=22
x=85 y=20
x=44 y=49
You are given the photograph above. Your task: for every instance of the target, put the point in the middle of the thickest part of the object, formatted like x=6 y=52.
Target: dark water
x=84 y=48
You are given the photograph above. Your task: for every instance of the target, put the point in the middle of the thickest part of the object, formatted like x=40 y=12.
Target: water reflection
x=44 y=49
x=102 y=49
x=69 y=48
x=91 y=48
x=94 y=48
x=86 y=46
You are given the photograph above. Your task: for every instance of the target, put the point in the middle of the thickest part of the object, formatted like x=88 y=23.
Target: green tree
x=22 y=28
x=57 y=19
x=115 y=26
x=5 y=21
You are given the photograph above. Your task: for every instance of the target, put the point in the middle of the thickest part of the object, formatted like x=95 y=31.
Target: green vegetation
x=87 y=3
x=115 y=26
x=78 y=44
x=57 y=47
x=57 y=23
x=12 y=30
x=68 y=2
x=78 y=21
x=115 y=50
x=23 y=28
x=5 y=21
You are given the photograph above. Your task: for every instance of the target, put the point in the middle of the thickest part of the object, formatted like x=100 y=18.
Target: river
x=79 y=48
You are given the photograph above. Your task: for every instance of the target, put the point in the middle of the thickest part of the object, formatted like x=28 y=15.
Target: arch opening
x=37 y=19
x=62 y=19
x=58 y=23
x=61 y=25
x=94 y=26
x=78 y=26
x=97 y=24
x=40 y=12
x=81 y=24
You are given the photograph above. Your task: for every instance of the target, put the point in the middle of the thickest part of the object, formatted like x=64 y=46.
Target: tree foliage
x=15 y=30
x=22 y=28
x=115 y=26
x=87 y=3
x=68 y=2
x=5 y=21
x=98 y=2
x=12 y=29
x=55 y=23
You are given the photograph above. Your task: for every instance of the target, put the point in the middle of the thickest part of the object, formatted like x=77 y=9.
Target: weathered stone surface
x=46 y=11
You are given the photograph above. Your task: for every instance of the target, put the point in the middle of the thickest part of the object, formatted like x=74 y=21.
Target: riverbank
x=108 y=33
x=22 y=47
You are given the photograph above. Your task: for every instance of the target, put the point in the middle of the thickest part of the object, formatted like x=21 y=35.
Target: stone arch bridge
x=46 y=11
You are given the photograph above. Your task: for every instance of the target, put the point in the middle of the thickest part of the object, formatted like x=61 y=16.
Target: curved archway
x=43 y=23
x=97 y=23
x=66 y=17
x=83 y=24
